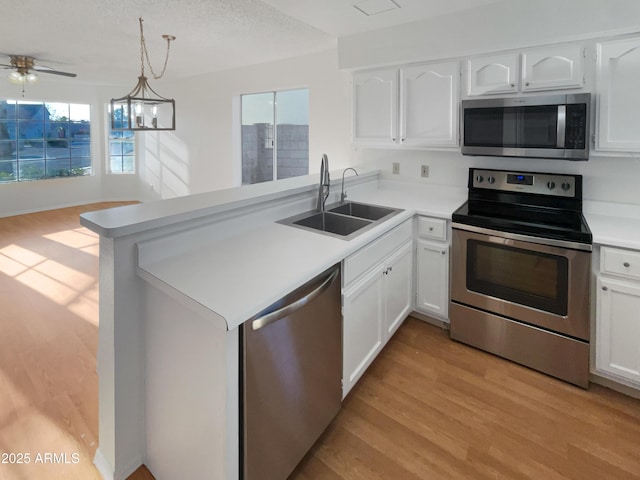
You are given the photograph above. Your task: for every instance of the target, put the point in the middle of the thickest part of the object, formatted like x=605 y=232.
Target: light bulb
x=16 y=78
x=31 y=78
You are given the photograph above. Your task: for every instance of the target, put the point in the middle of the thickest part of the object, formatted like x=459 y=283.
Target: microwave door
x=540 y=126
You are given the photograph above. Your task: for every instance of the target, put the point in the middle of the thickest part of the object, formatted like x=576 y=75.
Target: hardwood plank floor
x=428 y=408
x=48 y=341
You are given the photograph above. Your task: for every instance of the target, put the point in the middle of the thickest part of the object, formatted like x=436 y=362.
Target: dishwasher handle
x=287 y=310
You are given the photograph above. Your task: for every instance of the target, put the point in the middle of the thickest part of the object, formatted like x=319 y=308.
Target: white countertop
x=239 y=276
x=236 y=277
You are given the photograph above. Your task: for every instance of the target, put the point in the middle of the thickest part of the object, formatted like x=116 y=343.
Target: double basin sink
x=345 y=220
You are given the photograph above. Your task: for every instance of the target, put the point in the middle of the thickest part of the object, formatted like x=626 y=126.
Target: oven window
x=525 y=277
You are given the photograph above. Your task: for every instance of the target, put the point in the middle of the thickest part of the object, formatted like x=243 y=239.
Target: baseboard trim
x=103 y=465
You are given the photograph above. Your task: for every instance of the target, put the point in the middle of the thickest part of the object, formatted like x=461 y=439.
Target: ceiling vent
x=375 y=7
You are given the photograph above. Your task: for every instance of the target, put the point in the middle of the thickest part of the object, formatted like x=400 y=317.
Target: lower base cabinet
x=432 y=278
x=373 y=307
x=618 y=328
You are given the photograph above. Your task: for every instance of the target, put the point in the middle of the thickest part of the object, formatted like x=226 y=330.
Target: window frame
x=133 y=140
x=74 y=136
x=273 y=132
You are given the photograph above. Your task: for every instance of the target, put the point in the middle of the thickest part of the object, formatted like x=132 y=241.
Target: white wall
x=203 y=154
x=500 y=26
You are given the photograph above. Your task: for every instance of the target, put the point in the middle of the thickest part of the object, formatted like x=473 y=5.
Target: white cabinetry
x=429 y=104
x=415 y=105
x=376 y=299
x=432 y=268
x=493 y=74
x=617 y=76
x=551 y=68
x=547 y=68
x=617 y=319
x=375 y=107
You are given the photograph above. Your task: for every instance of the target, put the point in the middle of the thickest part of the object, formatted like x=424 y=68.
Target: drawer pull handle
x=605 y=288
x=626 y=264
x=431 y=229
x=443 y=252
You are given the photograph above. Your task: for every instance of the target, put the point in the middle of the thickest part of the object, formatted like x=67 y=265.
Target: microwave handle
x=561 y=126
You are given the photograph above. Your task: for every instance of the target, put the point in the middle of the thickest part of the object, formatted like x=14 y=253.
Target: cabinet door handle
x=526 y=84
x=513 y=84
x=626 y=264
x=393 y=139
x=443 y=252
x=605 y=288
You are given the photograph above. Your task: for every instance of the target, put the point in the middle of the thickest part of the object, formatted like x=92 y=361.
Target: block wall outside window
x=275 y=135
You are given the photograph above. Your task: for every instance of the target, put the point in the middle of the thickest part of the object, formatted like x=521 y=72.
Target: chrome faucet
x=343 y=194
x=325 y=184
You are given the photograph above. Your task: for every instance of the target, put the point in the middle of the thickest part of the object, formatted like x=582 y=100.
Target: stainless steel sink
x=342 y=221
x=330 y=222
x=362 y=210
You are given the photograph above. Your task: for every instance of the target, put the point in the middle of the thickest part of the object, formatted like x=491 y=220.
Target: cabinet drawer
x=432 y=228
x=625 y=263
x=369 y=255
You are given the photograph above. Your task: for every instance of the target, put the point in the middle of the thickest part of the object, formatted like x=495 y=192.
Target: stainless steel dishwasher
x=291 y=371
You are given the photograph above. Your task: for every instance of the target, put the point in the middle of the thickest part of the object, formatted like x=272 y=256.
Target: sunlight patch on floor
x=76 y=238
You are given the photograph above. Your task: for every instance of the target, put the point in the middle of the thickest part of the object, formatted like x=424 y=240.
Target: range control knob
x=566 y=186
x=479 y=179
x=491 y=180
x=551 y=185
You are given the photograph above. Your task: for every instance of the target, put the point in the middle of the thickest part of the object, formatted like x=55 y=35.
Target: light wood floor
x=428 y=408
x=48 y=341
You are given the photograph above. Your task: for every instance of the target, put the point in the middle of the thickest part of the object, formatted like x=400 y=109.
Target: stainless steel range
x=521 y=263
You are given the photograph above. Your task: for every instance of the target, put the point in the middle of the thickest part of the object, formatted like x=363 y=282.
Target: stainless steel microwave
x=554 y=126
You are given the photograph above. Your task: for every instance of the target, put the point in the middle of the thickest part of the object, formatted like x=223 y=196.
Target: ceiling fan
x=25 y=67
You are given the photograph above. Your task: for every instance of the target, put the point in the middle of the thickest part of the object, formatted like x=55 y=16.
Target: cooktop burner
x=534 y=204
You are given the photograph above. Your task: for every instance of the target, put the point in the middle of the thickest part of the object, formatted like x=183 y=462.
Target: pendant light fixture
x=143 y=109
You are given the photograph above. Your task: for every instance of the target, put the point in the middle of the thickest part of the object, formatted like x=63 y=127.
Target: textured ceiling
x=99 y=39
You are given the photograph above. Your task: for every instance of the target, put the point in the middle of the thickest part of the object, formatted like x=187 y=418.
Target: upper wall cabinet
x=618 y=104
x=551 y=68
x=429 y=104
x=375 y=107
x=546 y=68
x=493 y=74
x=413 y=106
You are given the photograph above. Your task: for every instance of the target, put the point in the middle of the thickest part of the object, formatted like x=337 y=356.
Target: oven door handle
x=500 y=237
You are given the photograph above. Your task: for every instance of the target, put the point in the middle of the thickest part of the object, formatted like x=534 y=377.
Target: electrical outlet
x=424 y=171
x=396 y=168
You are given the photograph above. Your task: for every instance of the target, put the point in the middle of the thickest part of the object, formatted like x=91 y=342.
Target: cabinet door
x=375 y=107
x=618 y=328
x=363 y=314
x=429 y=104
x=493 y=74
x=432 y=278
x=551 y=68
x=398 y=277
x=619 y=95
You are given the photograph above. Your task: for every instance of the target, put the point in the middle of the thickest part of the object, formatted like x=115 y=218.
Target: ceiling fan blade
x=54 y=72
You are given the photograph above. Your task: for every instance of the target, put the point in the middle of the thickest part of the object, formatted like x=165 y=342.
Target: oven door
x=542 y=285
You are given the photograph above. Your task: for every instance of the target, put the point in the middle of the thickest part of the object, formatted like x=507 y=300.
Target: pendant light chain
x=144 y=54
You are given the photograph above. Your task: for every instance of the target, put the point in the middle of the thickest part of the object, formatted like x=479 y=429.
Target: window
x=43 y=140
x=270 y=153
x=122 y=147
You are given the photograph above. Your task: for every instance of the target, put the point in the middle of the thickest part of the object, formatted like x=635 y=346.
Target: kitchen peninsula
x=177 y=278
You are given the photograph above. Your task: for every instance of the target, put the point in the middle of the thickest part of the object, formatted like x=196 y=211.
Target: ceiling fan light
x=16 y=78
x=31 y=78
